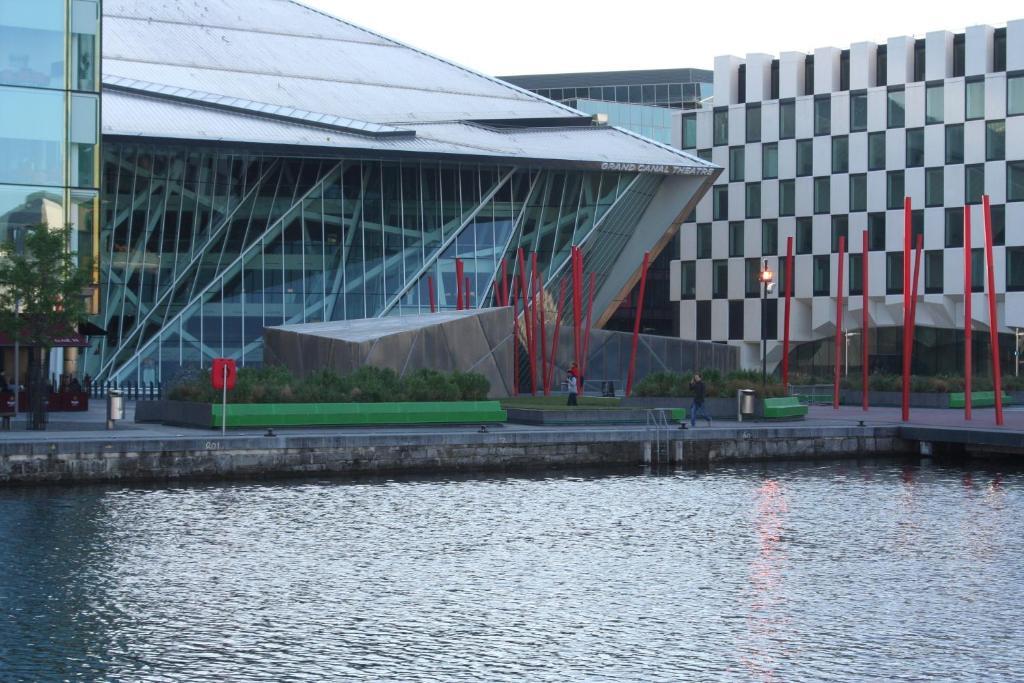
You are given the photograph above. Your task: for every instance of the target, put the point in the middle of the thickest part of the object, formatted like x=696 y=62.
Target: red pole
x=557 y=334
x=864 y=323
x=993 y=320
x=543 y=329
x=789 y=296
x=527 y=319
x=576 y=285
x=907 y=332
x=586 y=334
x=839 y=324
x=458 y=284
x=515 y=339
x=504 y=283
x=430 y=293
x=636 y=324
x=968 y=315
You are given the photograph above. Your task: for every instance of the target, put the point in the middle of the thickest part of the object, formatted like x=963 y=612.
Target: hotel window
x=894 y=190
x=998 y=224
x=703 y=240
x=804 y=157
x=934 y=104
x=809 y=75
x=858 y=192
x=876 y=151
x=736 y=163
x=881 y=63
x=769 y=237
x=720 y=126
x=955 y=143
x=856 y=277
x=822 y=194
x=704 y=154
x=915 y=147
x=787 y=197
x=720 y=279
x=896 y=107
x=704 y=320
x=840 y=154
x=690 y=131
x=1015 y=94
x=753 y=200
x=823 y=115
x=780 y=287
x=840 y=228
x=770 y=161
x=876 y=231
x=959 y=54
x=974 y=182
x=735 y=320
x=720 y=203
x=787 y=119
x=804 y=235
x=894 y=272
x=1015 y=181
x=688 y=280
x=736 y=238
x=753 y=123
x=858 y=111
x=1015 y=269
x=920 y=59
x=770 y=318
x=752 y=278
x=974 y=98
x=822 y=275
x=954 y=227
x=933 y=262
x=978 y=270
x=999 y=50
x=995 y=140
x=934 y=186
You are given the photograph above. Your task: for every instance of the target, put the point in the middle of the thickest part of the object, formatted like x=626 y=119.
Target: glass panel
x=858 y=192
x=769 y=237
x=804 y=157
x=787 y=120
x=720 y=279
x=840 y=228
x=753 y=200
x=933 y=104
x=915 y=147
x=822 y=275
x=955 y=144
x=995 y=140
x=822 y=115
x=25 y=207
x=736 y=238
x=954 y=227
x=688 y=279
x=894 y=190
x=753 y=123
x=787 y=197
x=974 y=183
x=721 y=203
x=689 y=132
x=704 y=240
x=84 y=137
x=822 y=195
x=1015 y=95
x=770 y=161
x=85 y=19
x=804 y=235
x=876 y=231
x=1015 y=181
x=858 y=111
x=876 y=151
x=974 y=106
x=1015 y=269
x=32 y=43
x=736 y=163
x=31 y=136
x=934 y=186
x=933 y=275
x=840 y=154
x=895 y=111
x=894 y=272
x=721 y=127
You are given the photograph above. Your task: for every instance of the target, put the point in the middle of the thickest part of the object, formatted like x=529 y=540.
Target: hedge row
x=671 y=384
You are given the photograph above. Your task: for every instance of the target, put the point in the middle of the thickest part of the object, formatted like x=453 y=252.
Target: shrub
x=472 y=385
x=430 y=385
x=375 y=385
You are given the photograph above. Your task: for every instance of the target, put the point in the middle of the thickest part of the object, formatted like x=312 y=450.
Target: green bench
x=677 y=414
x=359 y=414
x=790 y=406
x=979 y=399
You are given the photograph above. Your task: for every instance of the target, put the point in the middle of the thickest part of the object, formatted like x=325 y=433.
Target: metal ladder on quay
x=659 y=448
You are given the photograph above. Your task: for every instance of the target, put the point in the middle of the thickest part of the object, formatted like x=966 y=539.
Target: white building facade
x=818 y=146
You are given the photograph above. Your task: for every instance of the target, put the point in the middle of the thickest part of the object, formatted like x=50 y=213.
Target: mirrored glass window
x=32 y=43
x=31 y=136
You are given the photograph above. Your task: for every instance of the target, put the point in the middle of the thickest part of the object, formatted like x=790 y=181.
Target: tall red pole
x=907 y=331
x=524 y=291
x=636 y=324
x=993 y=320
x=789 y=297
x=503 y=300
x=968 y=315
x=557 y=334
x=515 y=338
x=539 y=287
x=864 y=323
x=576 y=305
x=839 y=324
x=430 y=293
x=586 y=330
x=459 y=274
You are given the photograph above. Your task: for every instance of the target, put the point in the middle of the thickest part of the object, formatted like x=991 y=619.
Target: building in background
x=823 y=145
x=49 y=128
x=643 y=102
x=289 y=167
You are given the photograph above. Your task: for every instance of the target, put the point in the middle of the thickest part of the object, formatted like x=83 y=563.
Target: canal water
x=804 y=572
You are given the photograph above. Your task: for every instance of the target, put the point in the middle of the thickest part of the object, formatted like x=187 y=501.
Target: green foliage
x=673 y=385
x=366 y=385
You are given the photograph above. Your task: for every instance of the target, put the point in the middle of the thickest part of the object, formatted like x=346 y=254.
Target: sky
x=553 y=36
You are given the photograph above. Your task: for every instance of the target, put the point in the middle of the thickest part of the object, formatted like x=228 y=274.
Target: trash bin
x=744 y=403
x=115 y=407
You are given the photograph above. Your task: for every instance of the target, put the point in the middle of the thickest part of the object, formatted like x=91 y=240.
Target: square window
x=822 y=194
x=954 y=227
x=934 y=103
x=894 y=190
x=720 y=126
x=690 y=131
x=770 y=161
x=688 y=280
x=769 y=237
x=736 y=238
x=787 y=197
x=736 y=163
x=822 y=275
x=858 y=192
x=896 y=107
x=876 y=151
x=804 y=157
x=858 y=111
x=787 y=119
x=1015 y=93
x=995 y=140
x=974 y=98
x=840 y=154
x=753 y=123
x=840 y=229
x=1015 y=269
x=974 y=182
x=753 y=200
x=720 y=279
x=704 y=320
x=915 y=147
x=703 y=240
x=894 y=272
x=822 y=115
x=934 y=186
x=933 y=263
x=720 y=202
x=1015 y=181
x=804 y=235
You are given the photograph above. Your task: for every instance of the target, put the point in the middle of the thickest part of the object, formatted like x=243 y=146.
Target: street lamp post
x=766 y=284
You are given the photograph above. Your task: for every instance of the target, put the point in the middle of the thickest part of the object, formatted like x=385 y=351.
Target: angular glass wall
x=203 y=249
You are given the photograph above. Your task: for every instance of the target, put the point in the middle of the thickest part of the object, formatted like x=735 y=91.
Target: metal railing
x=132 y=391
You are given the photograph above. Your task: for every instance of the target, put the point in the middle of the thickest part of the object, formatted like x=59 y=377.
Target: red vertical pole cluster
x=524 y=290
x=577 y=302
x=907 y=331
x=542 y=332
x=515 y=338
x=586 y=333
x=430 y=293
x=993 y=320
x=865 y=280
x=636 y=324
x=459 y=279
x=785 y=324
x=839 y=324
x=968 y=315
x=556 y=335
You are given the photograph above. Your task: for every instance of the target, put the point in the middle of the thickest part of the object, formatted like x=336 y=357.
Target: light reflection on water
x=838 y=571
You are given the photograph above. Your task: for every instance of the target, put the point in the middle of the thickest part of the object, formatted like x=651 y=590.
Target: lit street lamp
x=766 y=286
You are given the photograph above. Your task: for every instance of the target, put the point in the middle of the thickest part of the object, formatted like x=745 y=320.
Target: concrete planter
x=894 y=399
x=178 y=413
x=717 y=408
x=577 y=416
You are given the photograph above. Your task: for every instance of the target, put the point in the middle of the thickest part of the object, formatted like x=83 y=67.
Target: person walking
x=573 y=384
x=699 y=390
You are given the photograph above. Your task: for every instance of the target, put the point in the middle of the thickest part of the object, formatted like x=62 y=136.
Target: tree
x=41 y=297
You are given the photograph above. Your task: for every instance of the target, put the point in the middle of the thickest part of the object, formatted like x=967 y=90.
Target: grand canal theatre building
x=262 y=164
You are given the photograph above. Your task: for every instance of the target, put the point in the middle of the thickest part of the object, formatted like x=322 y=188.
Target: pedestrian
x=573 y=384
x=698 y=389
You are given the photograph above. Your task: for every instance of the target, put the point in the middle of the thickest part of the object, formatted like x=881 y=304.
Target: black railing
x=132 y=391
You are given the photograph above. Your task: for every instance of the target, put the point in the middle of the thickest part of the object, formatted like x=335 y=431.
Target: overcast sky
x=552 y=36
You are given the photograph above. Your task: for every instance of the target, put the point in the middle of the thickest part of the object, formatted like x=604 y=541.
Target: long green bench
x=359 y=414
x=790 y=406
x=979 y=399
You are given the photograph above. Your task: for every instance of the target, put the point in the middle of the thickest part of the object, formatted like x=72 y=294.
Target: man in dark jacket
x=699 y=390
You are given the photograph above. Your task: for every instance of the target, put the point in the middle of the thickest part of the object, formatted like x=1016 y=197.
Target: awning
x=70 y=341
x=89 y=329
